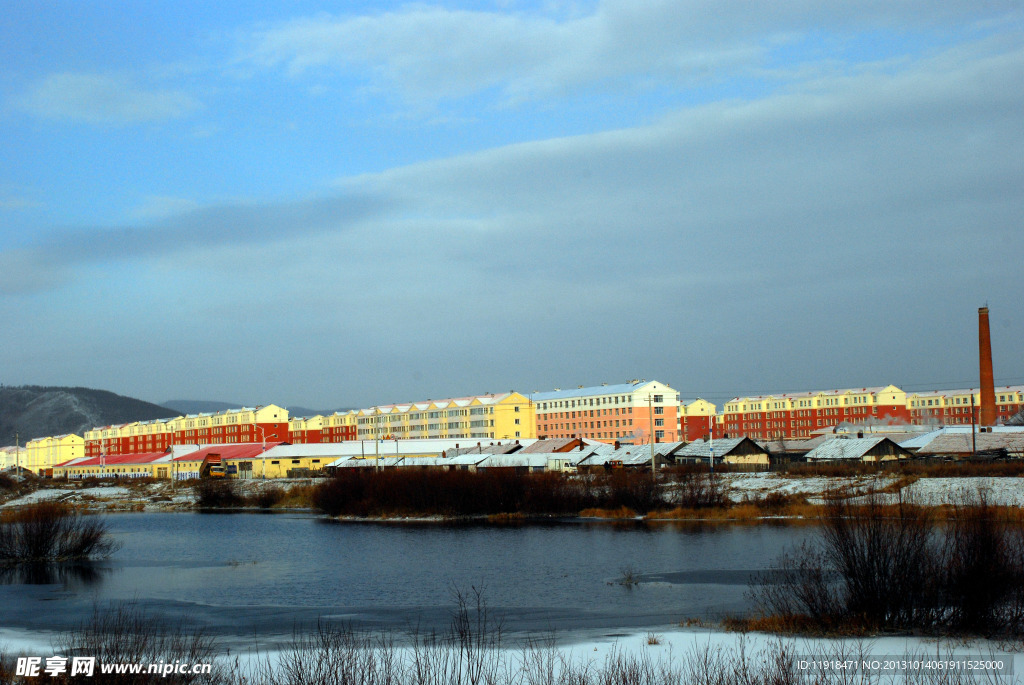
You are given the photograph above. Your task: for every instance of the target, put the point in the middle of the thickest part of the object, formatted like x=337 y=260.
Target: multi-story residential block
x=955 y=407
x=306 y=429
x=610 y=412
x=501 y=417
x=247 y=424
x=12 y=457
x=42 y=454
x=798 y=415
x=339 y=427
x=696 y=420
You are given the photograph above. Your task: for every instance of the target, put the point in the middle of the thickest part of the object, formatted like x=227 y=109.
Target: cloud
x=104 y=99
x=434 y=53
x=17 y=203
x=156 y=207
x=857 y=187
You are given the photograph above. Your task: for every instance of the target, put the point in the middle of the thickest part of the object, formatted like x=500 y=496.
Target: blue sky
x=342 y=205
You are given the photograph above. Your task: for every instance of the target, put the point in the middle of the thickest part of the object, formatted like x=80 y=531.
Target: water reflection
x=71 y=575
x=239 y=573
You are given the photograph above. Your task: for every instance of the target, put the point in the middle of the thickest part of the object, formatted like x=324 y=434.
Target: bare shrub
x=216 y=493
x=696 y=487
x=124 y=634
x=268 y=496
x=50 y=532
x=983 y=567
x=398 y=492
x=894 y=566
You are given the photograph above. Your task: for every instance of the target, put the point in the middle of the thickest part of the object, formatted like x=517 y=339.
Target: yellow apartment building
x=505 y=416
x=45 y=453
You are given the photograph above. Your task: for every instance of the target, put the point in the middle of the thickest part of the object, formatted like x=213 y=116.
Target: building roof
x=550 y=445
x=804 y=394
x=960 y=442
x=494 y=448
x=486 y=398
x=846 y=448
x=619 y=389
x=702 y=448
x=519 y=460
x=117 y=460
x=242 y=450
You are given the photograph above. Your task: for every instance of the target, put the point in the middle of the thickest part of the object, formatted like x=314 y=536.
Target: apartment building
x=798 y=415
x=505 y=416
x=610 y=412
x=42 y=454
x=243 y=425
x=696 y=420
x=956 y=407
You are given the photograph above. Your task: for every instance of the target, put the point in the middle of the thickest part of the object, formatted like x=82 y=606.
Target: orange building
x=609 y=412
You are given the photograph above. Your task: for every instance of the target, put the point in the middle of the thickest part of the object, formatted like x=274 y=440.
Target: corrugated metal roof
x=548 y=445
x=499 y=448
x=948 y=442
x=844 y=448
x=517 y=460
x=702 y=448
x=245 y=450
x=919 y=440
x=119 y=460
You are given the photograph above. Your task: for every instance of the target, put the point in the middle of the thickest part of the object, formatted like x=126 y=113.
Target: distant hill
x=34 y=411
x=199 y=406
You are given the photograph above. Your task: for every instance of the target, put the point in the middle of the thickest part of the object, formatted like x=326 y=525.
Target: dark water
x=245 y=574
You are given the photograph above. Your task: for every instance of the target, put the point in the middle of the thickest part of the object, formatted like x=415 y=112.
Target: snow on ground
x=931 y=491
x=1000 y=491
x=674 y=647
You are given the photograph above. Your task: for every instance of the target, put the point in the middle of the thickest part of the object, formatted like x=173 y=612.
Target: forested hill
x=34 y=411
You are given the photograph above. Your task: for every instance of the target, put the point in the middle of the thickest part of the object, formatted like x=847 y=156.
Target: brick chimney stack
x=987 y=416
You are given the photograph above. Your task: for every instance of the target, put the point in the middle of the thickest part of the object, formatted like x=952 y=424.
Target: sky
x=349 y=204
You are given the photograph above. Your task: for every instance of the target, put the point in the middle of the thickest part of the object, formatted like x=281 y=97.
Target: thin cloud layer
x=433 y=53
x=726 y=196
x=878 y=161
x=104 y=99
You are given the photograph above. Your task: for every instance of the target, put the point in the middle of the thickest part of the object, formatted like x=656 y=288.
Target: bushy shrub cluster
x=879 y=565
x=365 y=492
x=51 y=531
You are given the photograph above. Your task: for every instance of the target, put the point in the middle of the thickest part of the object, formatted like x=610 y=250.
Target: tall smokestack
x=988 y=387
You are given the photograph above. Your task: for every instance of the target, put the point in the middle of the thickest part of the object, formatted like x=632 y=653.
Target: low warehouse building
x=734 y=451
x=873 y=449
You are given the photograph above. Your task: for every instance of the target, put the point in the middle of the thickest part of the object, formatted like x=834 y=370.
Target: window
x=659 y=410
x=659 y=398
x=517 y=422
x=659 y=422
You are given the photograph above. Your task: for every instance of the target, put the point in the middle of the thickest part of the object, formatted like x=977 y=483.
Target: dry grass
x=507 y=517
x=298 y=496
x=894 y=487
x=620 y=513
x=798 y=511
